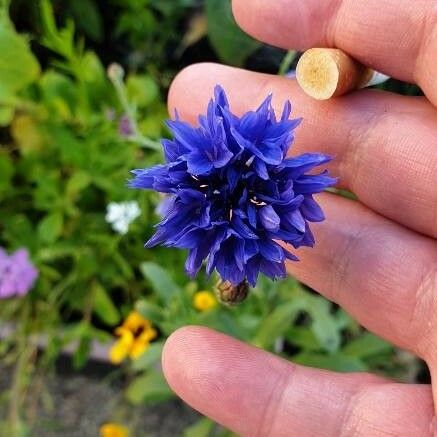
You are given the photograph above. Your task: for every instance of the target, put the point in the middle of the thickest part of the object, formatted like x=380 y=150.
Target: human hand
x=377 y=258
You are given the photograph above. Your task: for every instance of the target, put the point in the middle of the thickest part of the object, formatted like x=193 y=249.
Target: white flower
x=121 y=215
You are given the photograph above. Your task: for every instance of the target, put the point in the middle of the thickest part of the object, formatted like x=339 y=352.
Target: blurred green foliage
x=62 y=160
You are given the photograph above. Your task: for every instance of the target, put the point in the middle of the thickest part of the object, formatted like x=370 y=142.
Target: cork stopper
x=325 y=73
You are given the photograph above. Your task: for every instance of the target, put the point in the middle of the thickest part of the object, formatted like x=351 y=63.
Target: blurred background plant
x=72 y=126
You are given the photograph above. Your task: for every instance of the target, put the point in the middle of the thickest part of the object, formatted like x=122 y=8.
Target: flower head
x=135 y=335
x=234 y=193
x=17 y=273
x=121 y=215
x=113 y=430
x=204 y=300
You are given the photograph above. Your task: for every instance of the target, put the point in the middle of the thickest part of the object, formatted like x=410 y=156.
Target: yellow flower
x=113 y=430
x=135 y=321
x=122 y=346
x=204 y=300
x=135 y=335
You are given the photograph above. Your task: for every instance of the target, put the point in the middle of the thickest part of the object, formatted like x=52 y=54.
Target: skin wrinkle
x=332 y=396
x=434 y=215
x=346 y=410
x=332 y=24
x=355 y=161
x=380 y=277
x=342 y=261
x=425 y=309
x=349 y=427
x=356 y=141
x=270 y=415
x=428 y=36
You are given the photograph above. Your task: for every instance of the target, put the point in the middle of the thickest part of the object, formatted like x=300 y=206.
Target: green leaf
x=103 y=306
x=78 y=182
x=367 y=345
x=275 y=324
x=148 y=358
x=326 y=330
x=337 y=362
x=160 y=280
x=149 y=311
x=232 y=45
x=26 y=133
x=202 y=428
x=17 y=228
x=141 y=90
x=59 y=93
x=18 y=66
x=88 y=18
x=324 y=324
x=93 y=70
x=149 y=388
x=50 y=227
x=303 y=337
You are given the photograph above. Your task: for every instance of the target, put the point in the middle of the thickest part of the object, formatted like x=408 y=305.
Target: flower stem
x=286 y=62
x=116 y=76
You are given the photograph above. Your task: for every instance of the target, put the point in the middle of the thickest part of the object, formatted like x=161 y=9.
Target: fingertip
x=241 y=13
x=219 y=376
x=189 y=363
x=173 y=353
x=279 y=23
x=188 y=84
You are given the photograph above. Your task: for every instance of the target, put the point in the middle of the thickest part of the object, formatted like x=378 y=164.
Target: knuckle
x=343 y=261
x=370 y=413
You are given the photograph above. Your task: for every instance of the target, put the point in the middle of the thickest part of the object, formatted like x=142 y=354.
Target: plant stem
x=24 y=353
x=286 y=62
x=129 y=110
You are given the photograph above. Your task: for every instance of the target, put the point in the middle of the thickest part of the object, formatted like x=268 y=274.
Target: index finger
x=397 y=37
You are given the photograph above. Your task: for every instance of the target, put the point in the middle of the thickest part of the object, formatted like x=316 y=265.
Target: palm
x=377 y=258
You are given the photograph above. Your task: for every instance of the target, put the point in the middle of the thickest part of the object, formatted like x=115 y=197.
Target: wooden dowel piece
x=325 y=73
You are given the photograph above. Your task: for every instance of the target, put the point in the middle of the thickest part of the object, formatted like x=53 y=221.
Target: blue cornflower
x=233 y=193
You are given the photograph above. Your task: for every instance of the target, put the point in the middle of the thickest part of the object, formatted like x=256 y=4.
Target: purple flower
x=234 y=193
x=17 y=274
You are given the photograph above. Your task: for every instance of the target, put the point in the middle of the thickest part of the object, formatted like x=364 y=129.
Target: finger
x=257 y=394
x=397 y=37
x=385 y=146
x=381 y=273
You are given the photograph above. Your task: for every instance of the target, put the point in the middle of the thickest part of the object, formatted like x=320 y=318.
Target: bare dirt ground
x=73 y=404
